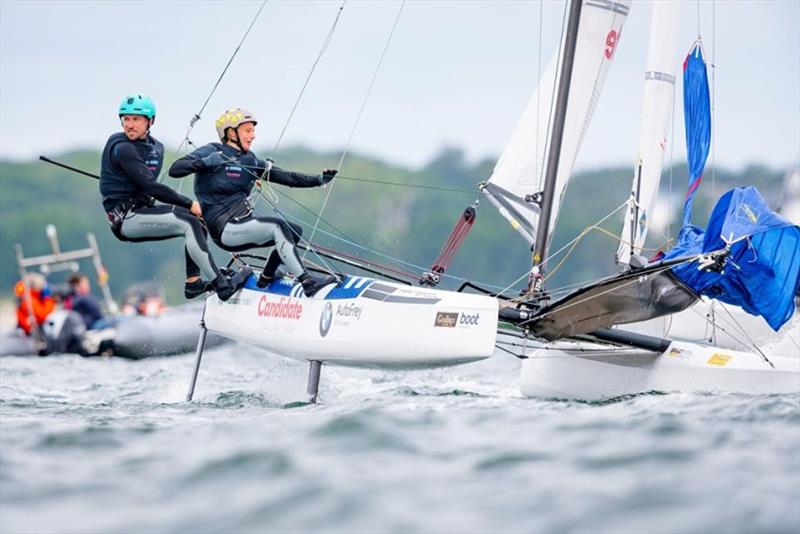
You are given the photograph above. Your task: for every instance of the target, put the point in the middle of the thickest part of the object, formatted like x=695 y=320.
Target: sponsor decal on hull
x=453 y=319
x=719 y=359
x=239 y=300
x=446 y=319
x=344 y=315
x=325 y=319
x=285 y=308
x=349 y=310
x=470 y=319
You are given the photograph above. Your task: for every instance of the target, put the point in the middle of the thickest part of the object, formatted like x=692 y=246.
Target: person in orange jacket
x=41 y=301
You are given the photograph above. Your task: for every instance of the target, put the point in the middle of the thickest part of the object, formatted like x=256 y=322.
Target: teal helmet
x=138 y=105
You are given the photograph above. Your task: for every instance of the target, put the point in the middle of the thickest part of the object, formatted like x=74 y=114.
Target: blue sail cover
x=762 y=271
x=698 y=121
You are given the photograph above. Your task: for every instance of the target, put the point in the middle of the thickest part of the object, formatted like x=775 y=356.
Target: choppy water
x=107 y=445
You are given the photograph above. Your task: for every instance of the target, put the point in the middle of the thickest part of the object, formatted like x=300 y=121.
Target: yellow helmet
x=233 y=118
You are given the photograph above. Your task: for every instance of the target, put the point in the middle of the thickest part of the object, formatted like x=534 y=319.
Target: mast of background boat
x=656 y=125
x=543 y=230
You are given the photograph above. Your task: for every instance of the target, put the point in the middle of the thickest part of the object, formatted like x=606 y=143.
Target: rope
x=322 y=51
x=401 y=184
x=277 y=211
x=371 y=85
x=667 y=241
x=575 y=240
x=358 y=117
x=197 y=116
x=350 y=241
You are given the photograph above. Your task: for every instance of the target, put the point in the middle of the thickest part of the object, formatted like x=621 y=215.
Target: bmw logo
x=325 y=319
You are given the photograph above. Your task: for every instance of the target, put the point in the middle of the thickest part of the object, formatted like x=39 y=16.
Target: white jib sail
x=656 y=127
x=520 y=170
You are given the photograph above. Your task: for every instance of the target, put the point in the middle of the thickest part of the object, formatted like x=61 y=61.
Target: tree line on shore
x=375 y=210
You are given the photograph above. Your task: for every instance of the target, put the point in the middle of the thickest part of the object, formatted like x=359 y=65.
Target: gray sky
x=458 y=73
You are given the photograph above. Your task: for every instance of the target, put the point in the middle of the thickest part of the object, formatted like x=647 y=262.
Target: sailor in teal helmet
x=131 y=162
x=225 y=173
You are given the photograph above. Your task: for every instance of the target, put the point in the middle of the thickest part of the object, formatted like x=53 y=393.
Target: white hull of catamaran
x=361 y=322
x=595 y=372
x=730 y=327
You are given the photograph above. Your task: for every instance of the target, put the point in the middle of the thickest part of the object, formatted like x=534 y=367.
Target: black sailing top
x=129 y=172
x=223 y=190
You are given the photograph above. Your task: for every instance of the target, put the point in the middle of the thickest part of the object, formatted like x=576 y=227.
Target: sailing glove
x=327 y=176
x=215 y=159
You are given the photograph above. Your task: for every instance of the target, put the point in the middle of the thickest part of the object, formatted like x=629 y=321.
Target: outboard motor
x=63 y=331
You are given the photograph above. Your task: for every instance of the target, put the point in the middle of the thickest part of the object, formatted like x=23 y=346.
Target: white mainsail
x=656 y=126
x=518 y=174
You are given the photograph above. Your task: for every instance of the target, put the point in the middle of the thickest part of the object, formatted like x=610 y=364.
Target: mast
x=549 y=133
x=543 y=231
x=655 y=132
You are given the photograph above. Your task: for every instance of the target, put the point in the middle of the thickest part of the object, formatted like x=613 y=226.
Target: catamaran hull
x=362 y=322
x=591 y=372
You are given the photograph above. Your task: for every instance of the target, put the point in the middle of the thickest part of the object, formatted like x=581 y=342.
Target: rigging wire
x=713 y=98
x=746 y=334
x=350 y=241
x=198 y=115
x=403 y=184
x=670 y=205
x=734 y=324
x=358 y=116
x=697 y=2
x=321 y=53
x=567 y=245
x=280 y=214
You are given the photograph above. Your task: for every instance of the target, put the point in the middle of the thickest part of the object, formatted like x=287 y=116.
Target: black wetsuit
x=129 y=185
x=223 y=192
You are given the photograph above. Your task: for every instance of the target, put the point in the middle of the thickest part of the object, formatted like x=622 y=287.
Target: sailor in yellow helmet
x=225 y=173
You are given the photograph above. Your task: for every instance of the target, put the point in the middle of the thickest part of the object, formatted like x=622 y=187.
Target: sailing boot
x=196 y=288
x=270 y=271
x=265 y=278
x=312 y=283
x=226 y=287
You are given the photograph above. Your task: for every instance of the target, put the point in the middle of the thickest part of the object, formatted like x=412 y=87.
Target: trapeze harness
x=129 y=186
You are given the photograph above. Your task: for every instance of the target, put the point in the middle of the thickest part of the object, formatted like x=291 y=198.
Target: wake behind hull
x=361 y=322
x=596 y=372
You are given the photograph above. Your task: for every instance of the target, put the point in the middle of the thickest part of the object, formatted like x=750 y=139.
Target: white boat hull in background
x=587 y=371
x=362 y=322
x=726 y=326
